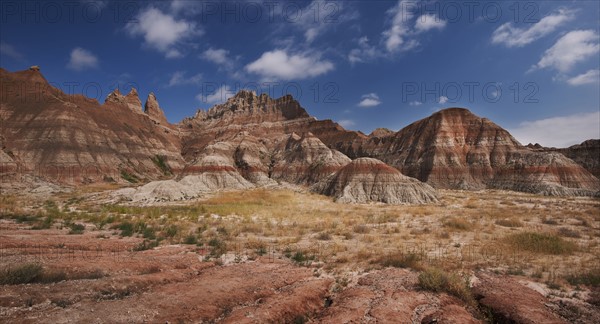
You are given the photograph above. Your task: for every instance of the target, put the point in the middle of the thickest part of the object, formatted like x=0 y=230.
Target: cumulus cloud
x=161 y=31
x=442 y=100
x=280 y=65
x=365 y=52
x=572 y=48
x=219 y=96
x=346 y=123
x=396 y=36
x=219 y=57
x=369 y=100
x=560 y=131
x=179 y=78
x=428 y=22
x=10 y=51
x=82 y=59
x=511 y=36
x=589 y=77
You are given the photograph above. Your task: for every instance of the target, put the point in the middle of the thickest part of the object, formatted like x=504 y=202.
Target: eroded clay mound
x=370 y=180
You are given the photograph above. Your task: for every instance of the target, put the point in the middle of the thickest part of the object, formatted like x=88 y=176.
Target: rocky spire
x=115 y=97
x=133 y=100
x=152 y=109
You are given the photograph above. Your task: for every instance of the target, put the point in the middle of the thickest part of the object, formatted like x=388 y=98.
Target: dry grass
x=351 y=237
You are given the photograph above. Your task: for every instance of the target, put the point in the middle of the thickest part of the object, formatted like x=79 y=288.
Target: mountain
x=367 y=179
x=253 y=140
x=587 y=154
x=73 y=139
x=455 y=149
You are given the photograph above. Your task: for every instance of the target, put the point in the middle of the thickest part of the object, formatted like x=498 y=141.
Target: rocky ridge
x=253 y=140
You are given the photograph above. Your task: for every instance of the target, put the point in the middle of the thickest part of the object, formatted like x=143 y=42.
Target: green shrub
x=161 y=162
x=130 y=177
x=126 y=228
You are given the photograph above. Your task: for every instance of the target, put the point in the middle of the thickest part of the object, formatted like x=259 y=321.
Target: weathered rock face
x=455 y=149
x=306 y=160
x=73 y=139
x=370 y=180
x=586 y=154
x=263 y=140
x=153 y=110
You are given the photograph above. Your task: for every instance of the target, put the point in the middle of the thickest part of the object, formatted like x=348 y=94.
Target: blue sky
x=532 y=67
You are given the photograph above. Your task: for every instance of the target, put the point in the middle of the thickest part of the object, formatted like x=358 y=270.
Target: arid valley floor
x=290 y=256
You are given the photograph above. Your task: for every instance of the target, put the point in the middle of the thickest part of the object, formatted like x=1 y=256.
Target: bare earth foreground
x=290 y=256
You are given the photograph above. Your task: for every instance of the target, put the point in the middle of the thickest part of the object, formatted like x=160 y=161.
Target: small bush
x=146 y=245
x=549 y=221
x=171 y=230
x=324 y=236
x=437 y=280
x=591 y=278
x=22 y=274
x=361 y=229
x=161 y=162
x=45 y=224
x=401 y=260
x=567 y=232
x=190 y=239
x=30 y=273
x=130 y=177
x=458 y=224
x=541 y=243
x=126 y=229
x=510 y=222
x=76 y=228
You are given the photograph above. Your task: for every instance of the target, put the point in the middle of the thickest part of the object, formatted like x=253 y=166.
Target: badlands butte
x=255 y=212
x=256 y=141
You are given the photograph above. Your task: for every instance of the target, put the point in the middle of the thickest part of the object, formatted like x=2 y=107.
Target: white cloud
x=396 y=37
x=178 y=78
x=572 y=48
x=82 y=59
x=511 y=36
x=219 y=96
x=317 y=17
x=346 y=123
x=560 y=131
x=369 y=100
x=279 y=65
x=428 y=22
x=415 y=103
x=161 y=31
x=10 y=51
x=219 y=57
x=364 y=53
x=442 y=100
x=589 y=77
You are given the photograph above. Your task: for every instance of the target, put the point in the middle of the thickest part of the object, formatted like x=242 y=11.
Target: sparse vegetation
x=401 y=260
x=437 y=280
x=161 y=162
x=509 y=222
x=540 y=243
x=458 y=224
